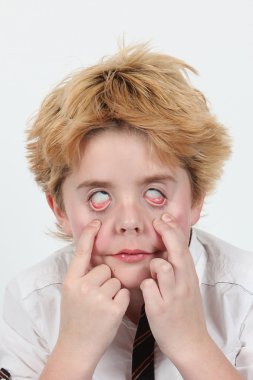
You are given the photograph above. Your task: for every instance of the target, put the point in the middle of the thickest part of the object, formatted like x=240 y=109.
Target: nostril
x=133 y=225
x=132 y=229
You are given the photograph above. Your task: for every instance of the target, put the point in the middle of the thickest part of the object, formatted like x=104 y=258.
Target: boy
x=126 y=151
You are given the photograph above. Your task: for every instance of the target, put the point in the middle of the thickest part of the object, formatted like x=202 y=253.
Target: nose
x=129 y=220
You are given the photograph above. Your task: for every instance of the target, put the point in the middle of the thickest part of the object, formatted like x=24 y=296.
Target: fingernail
x=95 y=223
x=166 y=218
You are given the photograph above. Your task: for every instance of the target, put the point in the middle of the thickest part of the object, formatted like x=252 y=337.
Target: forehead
x=122 y=160
x=127 y=146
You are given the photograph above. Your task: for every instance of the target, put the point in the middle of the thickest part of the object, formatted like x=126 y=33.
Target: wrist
x=194 y=352
x=205 y=361
x=67 y=363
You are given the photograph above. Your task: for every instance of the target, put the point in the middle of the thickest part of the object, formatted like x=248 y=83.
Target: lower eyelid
x=102 y=206
x=150 y=201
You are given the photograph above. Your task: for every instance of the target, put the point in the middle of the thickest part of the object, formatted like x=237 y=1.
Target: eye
x=99 y=200
x=155 y=197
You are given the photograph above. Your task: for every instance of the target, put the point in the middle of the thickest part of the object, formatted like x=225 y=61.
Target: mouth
x=133 y=255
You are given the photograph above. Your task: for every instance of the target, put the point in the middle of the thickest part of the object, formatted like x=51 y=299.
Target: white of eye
x=155 y=196
x=154 y=193
x=99 y=198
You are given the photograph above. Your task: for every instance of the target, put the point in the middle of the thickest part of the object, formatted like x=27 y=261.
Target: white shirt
x=32 y=311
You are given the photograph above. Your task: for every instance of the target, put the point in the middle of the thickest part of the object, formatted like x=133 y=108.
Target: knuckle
x=157 y=262
x=162 y=266
x=167 y=267
x=116 y=282
x=105 y=269
x=148 y=282
x=85 y=288
x=100 y=298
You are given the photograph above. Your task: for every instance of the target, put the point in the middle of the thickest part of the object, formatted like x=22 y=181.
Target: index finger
x=173 y=237
x=175 y=241
x=81 y=260
x=177 y=247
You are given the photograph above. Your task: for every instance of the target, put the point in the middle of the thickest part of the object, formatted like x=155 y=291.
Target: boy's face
x=121 y=183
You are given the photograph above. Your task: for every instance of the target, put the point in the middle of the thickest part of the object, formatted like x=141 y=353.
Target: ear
x=196 y=211
x=60 y=215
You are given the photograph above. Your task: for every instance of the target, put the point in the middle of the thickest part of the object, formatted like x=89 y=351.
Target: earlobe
x=60 y=215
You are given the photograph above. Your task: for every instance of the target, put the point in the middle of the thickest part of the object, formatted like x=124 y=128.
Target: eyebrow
x=158 y=178
x=143 y=181
x=94 y=183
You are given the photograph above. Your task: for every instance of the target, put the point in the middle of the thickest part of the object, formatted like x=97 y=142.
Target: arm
x=174 y=309
x=21 y=351
x=87 y=295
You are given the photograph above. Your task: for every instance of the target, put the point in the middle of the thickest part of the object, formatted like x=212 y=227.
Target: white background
x=43 y=40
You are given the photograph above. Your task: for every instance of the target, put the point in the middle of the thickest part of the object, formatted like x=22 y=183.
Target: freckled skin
x=131 y=205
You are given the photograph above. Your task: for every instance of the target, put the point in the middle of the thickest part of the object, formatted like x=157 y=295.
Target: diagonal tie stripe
x=4 y=374
x=143 y=351
x=141 y=339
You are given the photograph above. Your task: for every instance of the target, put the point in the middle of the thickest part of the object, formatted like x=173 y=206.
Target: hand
x=172 y=296
x=93 y=303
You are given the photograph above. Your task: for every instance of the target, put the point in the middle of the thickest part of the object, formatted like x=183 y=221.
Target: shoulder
x=225 y=262
x=32 y=300
x=50 y=271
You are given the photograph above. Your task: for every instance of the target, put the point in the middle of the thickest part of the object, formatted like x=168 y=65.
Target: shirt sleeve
x=22 y=350
x=244 y=360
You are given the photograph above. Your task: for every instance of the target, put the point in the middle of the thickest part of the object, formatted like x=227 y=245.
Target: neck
x=135 y=304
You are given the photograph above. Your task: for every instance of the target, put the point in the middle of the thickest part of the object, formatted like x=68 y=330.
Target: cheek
x=103 y=239
x=181 y=211
x=185 y=223
x=78 y=221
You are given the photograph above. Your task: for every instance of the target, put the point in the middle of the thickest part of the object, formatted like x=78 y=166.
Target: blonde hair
x=138 y=88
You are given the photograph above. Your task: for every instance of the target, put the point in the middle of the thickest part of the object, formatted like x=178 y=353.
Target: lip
x=132 y=255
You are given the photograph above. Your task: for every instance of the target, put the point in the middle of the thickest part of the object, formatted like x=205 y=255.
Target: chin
x=131 y=285
x=132 y=279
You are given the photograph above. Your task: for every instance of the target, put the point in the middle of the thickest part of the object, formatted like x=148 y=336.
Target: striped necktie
x=143 y=350
x=4 y=374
